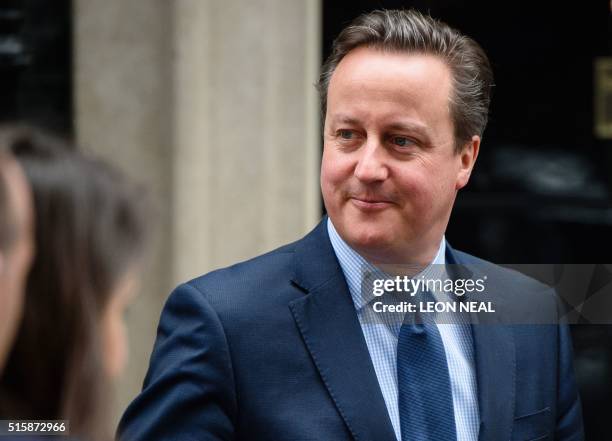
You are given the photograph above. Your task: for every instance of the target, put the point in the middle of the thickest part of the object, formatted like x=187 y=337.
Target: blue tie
x=424 y=393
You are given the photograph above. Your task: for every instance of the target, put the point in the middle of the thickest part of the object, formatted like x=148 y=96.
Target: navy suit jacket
x=272 y=349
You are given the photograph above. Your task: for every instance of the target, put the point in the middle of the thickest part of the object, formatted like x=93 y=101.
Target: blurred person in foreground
x=16 y=247
x=283 y=347
x=90 y=232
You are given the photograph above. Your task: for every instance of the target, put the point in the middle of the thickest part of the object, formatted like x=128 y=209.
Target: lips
x=370 y=204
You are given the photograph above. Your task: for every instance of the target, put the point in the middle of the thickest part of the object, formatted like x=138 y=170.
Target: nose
x=371 y=166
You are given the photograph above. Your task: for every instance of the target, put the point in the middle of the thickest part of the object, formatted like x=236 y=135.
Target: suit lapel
x=494 y=353
x=495 y=370
x=329 y=326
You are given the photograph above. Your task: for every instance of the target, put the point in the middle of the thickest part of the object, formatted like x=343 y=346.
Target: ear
x=467 y=156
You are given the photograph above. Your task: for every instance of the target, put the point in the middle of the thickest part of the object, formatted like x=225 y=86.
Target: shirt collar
x=354 y=266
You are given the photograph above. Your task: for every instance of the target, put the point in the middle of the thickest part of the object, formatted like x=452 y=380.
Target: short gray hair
x=412 y=32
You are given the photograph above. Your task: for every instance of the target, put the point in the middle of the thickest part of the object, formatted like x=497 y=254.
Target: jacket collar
x=328 y=323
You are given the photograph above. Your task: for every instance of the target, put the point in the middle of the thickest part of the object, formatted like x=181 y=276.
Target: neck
x=417 y=257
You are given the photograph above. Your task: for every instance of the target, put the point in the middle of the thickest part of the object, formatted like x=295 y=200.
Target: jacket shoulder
x=271 y=264
x=252 y=285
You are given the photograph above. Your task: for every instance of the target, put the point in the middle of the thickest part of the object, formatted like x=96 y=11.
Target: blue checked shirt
x=381 y=338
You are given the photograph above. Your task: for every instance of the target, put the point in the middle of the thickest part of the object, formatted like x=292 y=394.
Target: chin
x=368 y=239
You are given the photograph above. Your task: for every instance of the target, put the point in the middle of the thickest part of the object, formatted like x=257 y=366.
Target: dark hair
x=412 y=32
x=89 y=233
x=7 y=220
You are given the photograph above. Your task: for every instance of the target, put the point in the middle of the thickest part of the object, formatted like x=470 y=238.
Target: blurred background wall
x=211 y=104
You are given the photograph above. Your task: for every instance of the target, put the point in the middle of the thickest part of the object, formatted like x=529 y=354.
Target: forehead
x=372 y=80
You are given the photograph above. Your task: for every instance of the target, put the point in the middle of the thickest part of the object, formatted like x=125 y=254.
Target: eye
x=346 y=134
x=401 y=141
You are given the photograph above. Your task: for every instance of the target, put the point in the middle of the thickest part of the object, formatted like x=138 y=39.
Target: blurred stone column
x=212 y=105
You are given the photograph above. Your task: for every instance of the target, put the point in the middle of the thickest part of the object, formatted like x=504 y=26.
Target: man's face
x=389 y=173
x=15 y=262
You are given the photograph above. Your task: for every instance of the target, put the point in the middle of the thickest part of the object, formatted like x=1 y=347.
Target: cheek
x=414 y=183
x=336 y=169
x=329 y=167
x=423 y=196
x=115 y=344
x=426 y=181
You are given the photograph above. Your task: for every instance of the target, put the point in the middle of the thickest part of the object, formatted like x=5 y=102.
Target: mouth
x=370 y=204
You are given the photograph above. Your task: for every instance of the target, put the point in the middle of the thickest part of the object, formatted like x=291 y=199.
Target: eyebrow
x=421 y=129
x=345 y=119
